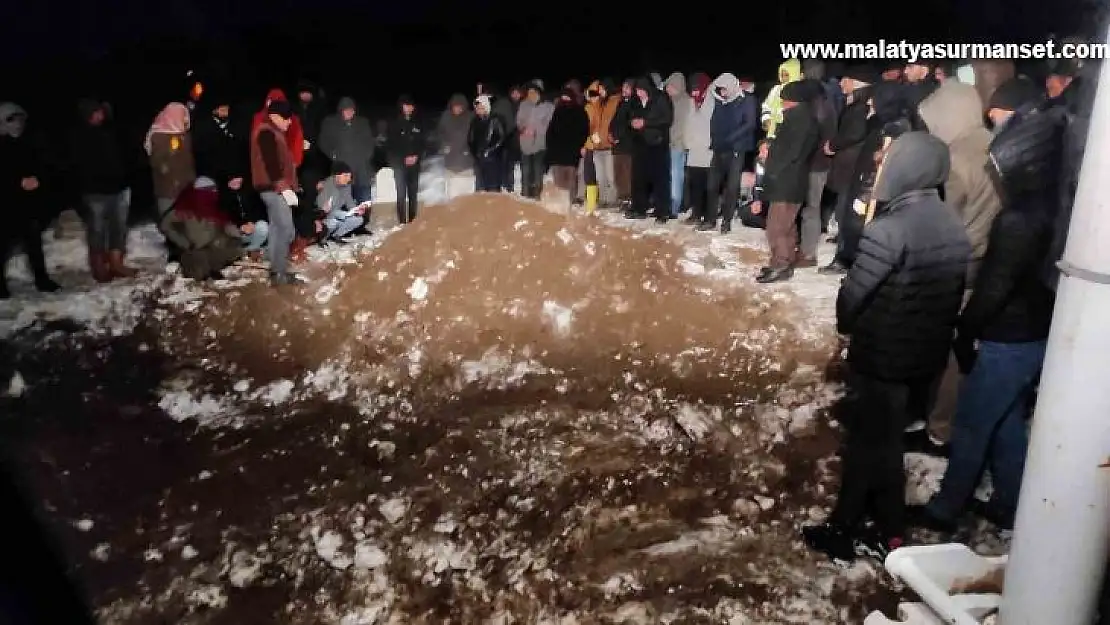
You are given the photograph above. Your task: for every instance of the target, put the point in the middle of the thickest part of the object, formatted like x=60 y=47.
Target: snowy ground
x=191 y=491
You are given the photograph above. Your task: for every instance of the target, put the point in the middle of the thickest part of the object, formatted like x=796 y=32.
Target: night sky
x=375 y=50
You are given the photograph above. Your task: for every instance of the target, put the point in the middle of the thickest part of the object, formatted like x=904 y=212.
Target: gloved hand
x=963 y=348
x=290 y=197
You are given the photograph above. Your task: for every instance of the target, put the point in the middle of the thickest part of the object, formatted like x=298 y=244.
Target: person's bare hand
x=638 y=124
x=235 y=184
x=29 y=183
x=827 y=148
x=247 y=228
x=410 y=160
x=320 y=186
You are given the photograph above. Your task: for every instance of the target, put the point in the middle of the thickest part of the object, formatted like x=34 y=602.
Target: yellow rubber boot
x=591 y=199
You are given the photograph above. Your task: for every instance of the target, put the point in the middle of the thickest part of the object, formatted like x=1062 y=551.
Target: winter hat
x=536 y=86
x=1013 y=94
x=795 y=92
x=339 y=168
x=483 y=101
x=538 y=83
x=346 y=103
x=281 y=108
x=862 y=72
x=813 y=68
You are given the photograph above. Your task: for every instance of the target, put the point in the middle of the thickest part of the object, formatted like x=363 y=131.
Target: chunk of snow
x=369 y=556
x=394 y=509
x=418 y=291
x=16 y=386
x=84 y=525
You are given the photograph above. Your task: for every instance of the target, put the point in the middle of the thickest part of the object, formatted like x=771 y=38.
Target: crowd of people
x=951 y=203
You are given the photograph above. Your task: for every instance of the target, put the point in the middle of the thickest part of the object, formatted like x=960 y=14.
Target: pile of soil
x=491 y=272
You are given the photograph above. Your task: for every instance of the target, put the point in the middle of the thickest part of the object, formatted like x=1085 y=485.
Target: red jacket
x=294 y=136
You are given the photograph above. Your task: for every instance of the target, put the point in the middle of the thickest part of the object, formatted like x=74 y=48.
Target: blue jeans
x=678 y=178
x=257 y=238
x=106 y=220
x=362 y=192
x=340 y=225
x=989 y=426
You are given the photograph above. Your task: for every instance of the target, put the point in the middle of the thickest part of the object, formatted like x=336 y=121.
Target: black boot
x=775 y=275
x=831 y=540
x=835 y=268
x=707 y=226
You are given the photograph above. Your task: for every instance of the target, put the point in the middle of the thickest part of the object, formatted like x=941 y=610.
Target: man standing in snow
x=274 y=176
x=651 y=119
x=680 y=102
x=405 y=147
x=486 y=138
x=348 y=137
x=732 y=134
x=532 y=120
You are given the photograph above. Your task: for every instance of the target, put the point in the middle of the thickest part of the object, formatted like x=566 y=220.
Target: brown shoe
x=805 y=263
x=98 y=267
x=116 y=266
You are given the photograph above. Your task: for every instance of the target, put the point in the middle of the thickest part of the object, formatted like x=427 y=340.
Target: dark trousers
x=782 y=233
x=849 y=225
x=651 y=179
x=407 y=181
x=697 y=190
x=622 y=175
x=872 y=476
x=488 y=173
x=24 y=229
x=531 y=173
x=724 y=170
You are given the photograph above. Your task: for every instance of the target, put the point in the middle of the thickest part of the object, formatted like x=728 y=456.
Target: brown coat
x=171 y=164
x=272 y=165
x=601 y=115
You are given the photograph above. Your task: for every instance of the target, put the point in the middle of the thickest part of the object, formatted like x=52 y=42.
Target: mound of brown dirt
x=491 y=274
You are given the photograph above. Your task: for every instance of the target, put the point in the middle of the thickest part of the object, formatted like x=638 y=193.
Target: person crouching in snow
x=786 y=179
x=486 y=139
x=342 y=214
x=206 y=238
x=898 y=304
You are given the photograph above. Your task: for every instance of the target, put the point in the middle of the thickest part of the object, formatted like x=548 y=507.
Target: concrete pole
x=1062 y=533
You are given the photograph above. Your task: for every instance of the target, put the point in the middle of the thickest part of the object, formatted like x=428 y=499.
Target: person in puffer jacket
x=898 y=304
x=732 y=135
x=486 y=138
x=1003 y=330
x=771 y=116
x=699 y=156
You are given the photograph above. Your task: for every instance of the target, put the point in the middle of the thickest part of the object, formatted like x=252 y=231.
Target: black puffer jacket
x=566 y=134
x=900 y=300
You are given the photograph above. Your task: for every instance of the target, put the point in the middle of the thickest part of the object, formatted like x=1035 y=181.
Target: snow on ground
x=696 y=521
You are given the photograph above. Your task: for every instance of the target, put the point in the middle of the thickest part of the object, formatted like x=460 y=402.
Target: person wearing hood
x=295 y=135
x=348 y=137
x=771 y=116
x=845 y=149
x=732 y=135
x=651 y=119
x=785 y=178
x=566 y=133
x=699 y=156
x=898 y=304
x=406 y=146
x=531 y=121
x=953 y=114
x=815 y=69
x=620 y=136
x=101 y=175
x=601 y=107
x=452 y=132
x=675 y=86
x=1003 y=330
x=22 y=175
x=486 y=138
x=169 y=145
x=274 y=176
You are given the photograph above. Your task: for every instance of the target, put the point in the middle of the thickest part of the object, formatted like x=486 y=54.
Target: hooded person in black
x=22 y=174
x=405 y=147
x=650 y=118
x=898 y=304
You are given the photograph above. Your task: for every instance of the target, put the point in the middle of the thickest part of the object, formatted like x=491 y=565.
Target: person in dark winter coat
x=486 y=139
x=310 y=108
x=845 y=151
x=786 y=176
x=505 y=109
x=620 y=137
x=347 y=137
x=22 y=173
x=566 y=134
x=920 y=84
x=731 y=135
x=223 y=156
x=651 y=117
x=101 y=176
x=813 y=219
x=406 y=146
x=1007 y=317
x=898 y=304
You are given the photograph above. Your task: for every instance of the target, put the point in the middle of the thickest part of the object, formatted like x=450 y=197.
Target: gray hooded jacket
x=452 y=132
x=351 y=142
x=534 y=118
x=681 y=103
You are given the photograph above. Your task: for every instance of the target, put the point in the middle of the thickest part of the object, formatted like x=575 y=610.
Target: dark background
x=135 y=53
